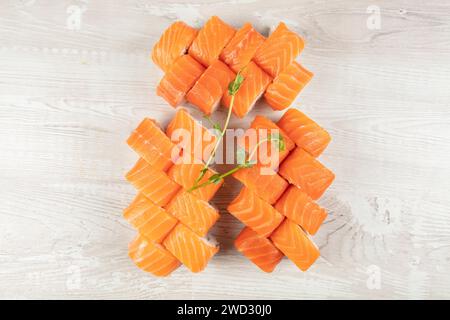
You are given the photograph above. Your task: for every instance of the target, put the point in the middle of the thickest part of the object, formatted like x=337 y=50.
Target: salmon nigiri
x=210 y=41
x=185 y=174
x=197 y=214
x=255 y=212
x=268 y=154
x=258 y=249
x=307 y=173
x=241 y=49
x=179 y=79
x=193 y=251
x=152 y=257
x=306 y=133
x=301 y=209
x=286 y=86
x=191 y=136
x=279 y=50
x=295 y=244
x=152 y=221
x=150 y=143
x=173 y=43
x=210 y=87
x=252 y=88
x=268 y=186
x=153 y=183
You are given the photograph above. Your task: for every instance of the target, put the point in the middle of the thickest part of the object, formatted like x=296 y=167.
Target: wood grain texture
x=69 y=98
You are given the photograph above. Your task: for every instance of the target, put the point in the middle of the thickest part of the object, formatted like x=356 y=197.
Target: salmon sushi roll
x=255 y=212
x=242 y=47
x=252 y=88
x=173 y=43
x=185 y=174
x=152 y=221
x=301 y=209
x=268 y=186
x=152 y=257
x=295 y=244
x=196 y=141
x=196 y=214
x=307 y=173
x=211 y=40
x=282 y=92
x=279 y=50
x=306 y=133
x=151 y=144
x=193 y=251
x=259 y=250
x=152 y=183
x=179 y=79
x=210 y=87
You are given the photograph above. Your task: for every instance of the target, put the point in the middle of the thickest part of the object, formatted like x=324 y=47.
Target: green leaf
x=234 y=85
x=278 y=138
x=215 y=178
x=249 y=163
x=240 y=155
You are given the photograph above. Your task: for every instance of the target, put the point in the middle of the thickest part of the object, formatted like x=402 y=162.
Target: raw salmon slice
x=173 y=43
x=282 y=92
x=210 y=41
x=152 y=183
x=268 y=186
x=295 y=244
x=151 y=144
x=197 y=214
x=191 y=136
x=152 y=257
x=252 y=88
x=185 y=175
x=255 y=212
x=179 y=79
x=307 y=173
x=306 y=133
x=301 y=209
x=259 y=250
x=210 y=87
x=262 y=129
x=152 y=222
x=279 y=50
x=242 y=47
x=193 y=251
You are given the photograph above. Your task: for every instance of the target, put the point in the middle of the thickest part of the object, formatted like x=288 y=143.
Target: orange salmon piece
x=191 y=136
x=242 y=47
x=173 y=43
x=306 y=133
x=152 y=257
x=179 y=79
x=152 y=183
x=259 y=250
x=295 y=244
x=152 y=222
x=268 y=186
x=210 y=41
x=196 y=214
x=282 y=92
x=255 y=212
x=301 y=209
x=193 y=251
x=252 y=88
x=210 y=87
x=307 y=173
x=279 y=50
x=151 y=144
x=185 y=175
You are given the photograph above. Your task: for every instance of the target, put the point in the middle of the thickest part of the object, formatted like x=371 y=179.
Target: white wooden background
x=71 y=90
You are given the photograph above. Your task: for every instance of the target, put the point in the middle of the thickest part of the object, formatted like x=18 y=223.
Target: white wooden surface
x=69 y=98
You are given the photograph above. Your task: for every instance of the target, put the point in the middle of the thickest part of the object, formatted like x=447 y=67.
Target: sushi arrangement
x=219 y=65
x=199 y=65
